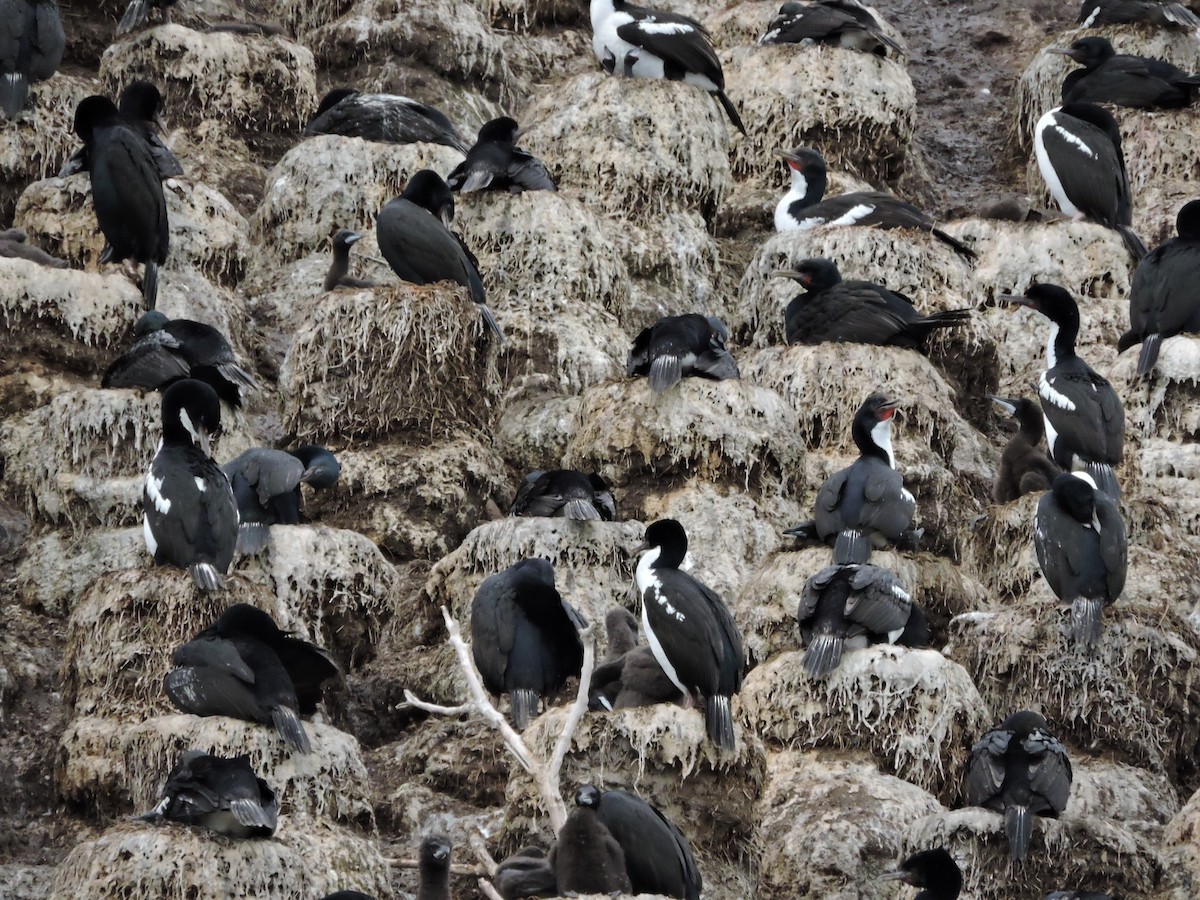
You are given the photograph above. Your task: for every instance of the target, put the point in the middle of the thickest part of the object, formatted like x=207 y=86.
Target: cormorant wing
x=1113 y=544
x=269 y=472
x=523 y=492
x=826 y=509
x=810 y=595
x=1093 y=172
x=1098 y=426
x=638 y=361
x=985 y=767
x=494 y=615
x=1050 y=772
x=212 y=692
x=309 y=667
x=878 y=601
x=216 y=653
x=680 y=42
x=152 y=362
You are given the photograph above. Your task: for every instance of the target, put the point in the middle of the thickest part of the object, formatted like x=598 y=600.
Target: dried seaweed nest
x=119 y=766
x=858 y=109
x=661 y=753
x=1064 y=852
x=830 y=823
x=665 y=144
x=714 y=430
x=1000 y=551
x=915 y=711
x=405 y=357
x=258 y=82
x=306 y=858
x=207 y=232
x=327 y=182
x=1135 y=695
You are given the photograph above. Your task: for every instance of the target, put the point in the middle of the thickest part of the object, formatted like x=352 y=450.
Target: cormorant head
x=803 y=159
x=344 y=237
x=142 y=101
x=333 y=98
x=427 y=189
x=321 y=468
x=435 y=850
x=816 y=274
x=1089 y=52
x=587 y=795
x=242 y=618
x=503 y=130
x=1187 y=223
x=191 y=413
x=933 y=869
x=671 y=539
x=1052 y=301
x=1076 y=494
x=1024 y=723
x=92 y=112
x=149 y=322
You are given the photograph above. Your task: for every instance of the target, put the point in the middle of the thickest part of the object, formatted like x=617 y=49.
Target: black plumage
x=836 y=23
x=126 y=191
x=564 y=493
x=1134 y=81
x=167 y=350
x=13 y=245
x=266 y=485
x=1019 y=770
x=1163 y=300
x=524 y=636
x=1078 y=151
x=223 y=795
x=1175 y=16
x=189 y=514
x=690 y=630
x=586 y=857
x=935 y=871
x=32 y=42
x=675 y=347
x=384 y=118
x=139 y=10
x=804 y=206
x=139 y=107
x=1025 y=468
x=433 y=866
x=849 y=607
x=496 y=163
x=658 y=858
x=245 y=667
x=527 y=873
x=856 y=312
x=1084 y=416
x=1080 y=542
x=414 y=236
x=339 y=266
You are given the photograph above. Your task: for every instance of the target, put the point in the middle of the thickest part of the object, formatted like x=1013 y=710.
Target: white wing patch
x=200 y=485
x=1087 y=23
x=154 y=491
x=1047 y=392
x=651 y=27
x=854 y=215
x=1075 y=141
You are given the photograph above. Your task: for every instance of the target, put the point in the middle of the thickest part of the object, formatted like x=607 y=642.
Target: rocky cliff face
x=662 y=209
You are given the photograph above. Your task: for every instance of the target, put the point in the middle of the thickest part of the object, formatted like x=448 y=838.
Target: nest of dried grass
x=370 y=362
x=302 y=16
x=999 y=551
x=1141 y=801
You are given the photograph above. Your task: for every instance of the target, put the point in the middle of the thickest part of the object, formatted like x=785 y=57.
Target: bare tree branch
x=485 y=888
x=411 y=699
x=477 y=845
x=455 y=868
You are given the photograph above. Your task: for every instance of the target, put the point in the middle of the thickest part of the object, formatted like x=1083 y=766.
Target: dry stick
x=455 y=868
x=476 y=842
x=485 y=888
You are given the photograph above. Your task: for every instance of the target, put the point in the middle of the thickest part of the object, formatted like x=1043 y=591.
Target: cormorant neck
x=1060 y=343
x=808 y=187
x=873 y=437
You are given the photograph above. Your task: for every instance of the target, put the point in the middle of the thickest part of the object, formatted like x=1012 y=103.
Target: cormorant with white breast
x=338 y=274
x=649 y=43
x=245 y=667
x=856 y=312
x=384 y=118
x=1163 y=299
x=850 y=607
x=1084 y=417
x=1020 y=770
x=658 y=858
x=675 y=347
x=690 y=629
x=190 y=518
x=935 y=871
x=566 y=494
x=837 y=23
x=1081 y=547
x=496 y=163
x=167 y=350
x=865 y=505
x=804 y=205
x=524 y=636
x=1078 y=150
x=586 y=857
x=32 y=42
x=1138 y=82
x=1175 y=16
x=139 y=108
x=414 y=235
x=1025 y=468
x=126 y=190
x=266 y=484
x=433 y=866
x=222 y=795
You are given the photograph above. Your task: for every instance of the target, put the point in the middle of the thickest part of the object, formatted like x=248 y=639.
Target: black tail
x=1105 y=478
x=851 y=546
x=14 y=93
x=135 y=15
x=291 y=729
x=718 y=720
x=1182 y=16
x=524 y=707
x=490 y=321
x=731 y=111
x=1149 y=353
x=150 y=284
x=1087 y=623
x=824 y=654
x=959 y=246
x=1018 y=824
x=206 y=576
x=1136 y=248
x=926 y=325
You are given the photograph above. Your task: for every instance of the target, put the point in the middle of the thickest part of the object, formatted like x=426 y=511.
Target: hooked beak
x=1017 y=300
x=789 y=273
x=204 y=440
x=444 y=215
x=1063 y=51
x=791 y=159
x=641 y=548
x=898 y=875
x=1009 y=406
x=353 y=237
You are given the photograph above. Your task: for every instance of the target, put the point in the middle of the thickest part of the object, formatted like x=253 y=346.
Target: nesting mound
x=857 y=108
x=661 y=753
x=674 y=266
x=913 y=710
x=118 y=766
x=1181 y=841
x=723 y=430
x=829 y=824
x=535 y=423
x=1000 y=549
x=18 y=882
x=1163 y=403
x=58 y=567
x=527 y=14
x=408 y=356
x=664 y=143
x=258 y=82
x=327 y=182
x=464 y=758
x=1140 y=800
x=1066 y=851
x=306 y=858
x=206 y=231
x=302 y=16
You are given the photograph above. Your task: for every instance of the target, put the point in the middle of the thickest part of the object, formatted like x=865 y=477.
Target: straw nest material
x=633 y=145
x=92 y=471
x=371 y=361
x=856 y=108
x=305 y=858
x=915 y=711
x=414 y=500
x=662 y=754
x=536 y=420
x=529 y=14
x=25 y=882
x=302 y=16
x=206 y=231
x=257 y=82
x=1134 y=695
x=462 y=758
x=327 y=182
x=1181 y=847
x=715 y=430
x=999 y=550
x=119 y=766
x=1065 y=852
x=829 y=824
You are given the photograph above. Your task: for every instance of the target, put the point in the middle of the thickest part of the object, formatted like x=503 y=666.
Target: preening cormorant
x=564 y=493
x=223 y=795
x=139 y=108
x=933 y=870
x=496 y=163
x=836 y=23
x=266 y=485
x=677 y=346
